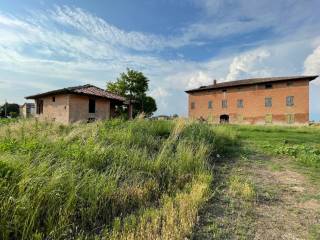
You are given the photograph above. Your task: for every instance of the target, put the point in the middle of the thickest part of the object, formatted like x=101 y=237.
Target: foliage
x=134 y=85
x=12 y=110
x=304 y=154
x=4 y=121
x=112 y=179
x=301 y=143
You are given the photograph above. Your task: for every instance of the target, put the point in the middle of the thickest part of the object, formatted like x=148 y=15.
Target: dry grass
x=105 y=179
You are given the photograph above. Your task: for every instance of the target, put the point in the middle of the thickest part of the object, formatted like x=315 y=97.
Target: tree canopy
x=134 y=86
x=12 y=109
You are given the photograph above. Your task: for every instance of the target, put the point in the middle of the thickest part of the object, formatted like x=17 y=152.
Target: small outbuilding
x=27 y=110
x=85 y=103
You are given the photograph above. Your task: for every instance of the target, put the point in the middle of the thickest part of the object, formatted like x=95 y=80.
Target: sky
x=177 y=44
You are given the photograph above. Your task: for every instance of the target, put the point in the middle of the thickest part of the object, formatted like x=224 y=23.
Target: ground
x=258 y=195
x=158 y=180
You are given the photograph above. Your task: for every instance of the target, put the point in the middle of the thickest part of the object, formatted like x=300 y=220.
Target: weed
x=241 y=187
x=114 y=178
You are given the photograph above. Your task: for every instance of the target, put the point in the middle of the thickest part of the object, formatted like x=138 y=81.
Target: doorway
x=224 y=118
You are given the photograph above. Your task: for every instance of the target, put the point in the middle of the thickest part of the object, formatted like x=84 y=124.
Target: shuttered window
x=240 y=103
x=224 y=103
x=268 y=118
x=268 y=102
x=193 y=105
x=290 y=118
x=289 y=101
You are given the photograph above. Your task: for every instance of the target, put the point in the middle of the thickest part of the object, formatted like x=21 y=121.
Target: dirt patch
x=285 y=207
x=286 y=217
x=288 y=177
x=312 y=204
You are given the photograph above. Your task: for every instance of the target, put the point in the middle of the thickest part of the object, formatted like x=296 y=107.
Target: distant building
x=275 y=100
x=78 y=104
x=27 y=110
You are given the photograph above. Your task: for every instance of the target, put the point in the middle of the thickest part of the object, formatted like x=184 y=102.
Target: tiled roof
x=88 y=90
x=250 y=82
x=31 y=105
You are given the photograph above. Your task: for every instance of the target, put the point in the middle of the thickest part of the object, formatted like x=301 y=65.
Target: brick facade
x=246 y=104
x=77 y=104
x=71 y=108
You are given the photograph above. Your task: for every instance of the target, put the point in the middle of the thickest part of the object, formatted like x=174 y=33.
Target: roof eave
x=68 y=92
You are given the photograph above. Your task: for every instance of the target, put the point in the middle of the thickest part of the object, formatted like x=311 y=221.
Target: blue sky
x=178 y=44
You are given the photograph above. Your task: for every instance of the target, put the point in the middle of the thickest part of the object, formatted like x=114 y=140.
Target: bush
x=306 y=155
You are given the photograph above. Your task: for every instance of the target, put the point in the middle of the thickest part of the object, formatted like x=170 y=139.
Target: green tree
x=134 y=86
x=12 y=109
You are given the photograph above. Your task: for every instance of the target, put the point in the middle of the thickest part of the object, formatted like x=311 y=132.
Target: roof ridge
x=81 y=89
x=250 y=81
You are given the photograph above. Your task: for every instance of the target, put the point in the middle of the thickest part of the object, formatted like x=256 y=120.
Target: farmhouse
x=278 y=100
x=78 y=104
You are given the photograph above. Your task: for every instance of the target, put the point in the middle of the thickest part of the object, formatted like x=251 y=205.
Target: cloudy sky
x=178 y=44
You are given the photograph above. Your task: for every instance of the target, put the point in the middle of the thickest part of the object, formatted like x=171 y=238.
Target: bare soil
x=287 y=203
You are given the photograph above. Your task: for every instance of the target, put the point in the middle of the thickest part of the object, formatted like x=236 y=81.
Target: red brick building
x=276 y=100
x=78 y=104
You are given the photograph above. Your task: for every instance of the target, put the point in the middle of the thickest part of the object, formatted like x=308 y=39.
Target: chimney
x=215 y=82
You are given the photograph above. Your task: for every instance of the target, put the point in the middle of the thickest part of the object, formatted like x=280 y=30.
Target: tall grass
x=114 y=179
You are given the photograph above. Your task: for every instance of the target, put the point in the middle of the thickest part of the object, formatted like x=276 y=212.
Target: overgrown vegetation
x=259 y=192
x=6 y=121
x=114 y=179
x=301 y=143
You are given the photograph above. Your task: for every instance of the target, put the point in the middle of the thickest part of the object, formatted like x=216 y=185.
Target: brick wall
x=79 y=108
x=57 y=110
x=254 y=110
x=70 y=108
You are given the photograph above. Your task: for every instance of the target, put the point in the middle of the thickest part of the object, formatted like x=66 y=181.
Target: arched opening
x=224 y=118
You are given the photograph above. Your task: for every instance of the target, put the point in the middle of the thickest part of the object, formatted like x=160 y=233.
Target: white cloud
x=248 y=15
x=249 y=64
x=198 y=79
x=46 y=56
x=312 y=64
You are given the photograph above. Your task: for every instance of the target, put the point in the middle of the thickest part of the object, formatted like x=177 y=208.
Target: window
x=39 y=106
x=268 y=86
x=224 y=104
x=290 y=118
x=268 y=118
x=240 y=118
x=193 y=105
x=53 y=99
x=92 y=106
x=289 y=83
x=210 y=104
x=240 y=103
x=268 y=102
x=289 y=101
x=224 y=90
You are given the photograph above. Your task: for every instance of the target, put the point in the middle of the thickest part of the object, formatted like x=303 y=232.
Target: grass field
x=144 y=179
x=271 y=190
x=113 y=179
x=300 y=143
